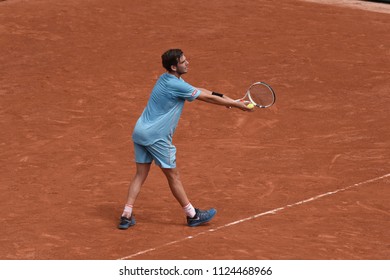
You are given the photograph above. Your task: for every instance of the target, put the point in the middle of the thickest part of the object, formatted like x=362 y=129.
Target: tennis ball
x=250 y=106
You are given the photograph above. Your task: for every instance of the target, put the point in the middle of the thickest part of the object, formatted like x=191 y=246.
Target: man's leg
x=195 y=217
x=137 y=182
x=141 y=174
x=176 y=185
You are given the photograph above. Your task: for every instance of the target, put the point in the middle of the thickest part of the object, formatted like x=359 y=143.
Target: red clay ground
x=75 y=75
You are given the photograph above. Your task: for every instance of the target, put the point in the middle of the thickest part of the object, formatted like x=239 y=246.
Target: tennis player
x=152 y=135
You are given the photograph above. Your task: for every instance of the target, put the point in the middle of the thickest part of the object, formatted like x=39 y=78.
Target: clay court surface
x=307 y=179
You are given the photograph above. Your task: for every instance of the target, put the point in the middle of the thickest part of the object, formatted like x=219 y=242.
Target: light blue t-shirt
x=162 y=113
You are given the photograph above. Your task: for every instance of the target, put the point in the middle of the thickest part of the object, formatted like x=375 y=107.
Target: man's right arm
x=225 y=100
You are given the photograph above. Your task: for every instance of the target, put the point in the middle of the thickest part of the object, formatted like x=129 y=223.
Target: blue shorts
x=163 y=154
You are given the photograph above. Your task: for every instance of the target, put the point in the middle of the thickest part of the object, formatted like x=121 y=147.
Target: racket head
x=261 y=95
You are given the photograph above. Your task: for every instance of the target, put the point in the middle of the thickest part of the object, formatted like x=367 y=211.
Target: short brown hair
x=171 y=58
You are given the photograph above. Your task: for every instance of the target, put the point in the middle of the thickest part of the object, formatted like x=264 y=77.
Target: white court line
x=356 y=4
x=273 y=211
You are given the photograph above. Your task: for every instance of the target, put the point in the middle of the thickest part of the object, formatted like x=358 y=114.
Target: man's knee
x=171 y=173
x=143 y=169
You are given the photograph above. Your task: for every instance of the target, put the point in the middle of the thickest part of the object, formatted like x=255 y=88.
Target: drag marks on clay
x=334 y=160
x=270 y=212
x=371 y=208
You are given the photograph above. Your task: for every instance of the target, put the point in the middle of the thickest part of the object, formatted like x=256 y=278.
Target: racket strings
x=262 y=95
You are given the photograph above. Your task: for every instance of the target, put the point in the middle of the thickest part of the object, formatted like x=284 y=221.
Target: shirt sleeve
x=185 y=91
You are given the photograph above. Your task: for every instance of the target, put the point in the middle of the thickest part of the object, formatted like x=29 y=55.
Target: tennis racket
x=259 y=94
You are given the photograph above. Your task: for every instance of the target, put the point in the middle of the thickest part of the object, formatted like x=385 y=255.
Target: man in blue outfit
x=154 y=130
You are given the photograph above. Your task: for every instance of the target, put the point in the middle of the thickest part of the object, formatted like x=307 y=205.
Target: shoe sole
x=202 y=222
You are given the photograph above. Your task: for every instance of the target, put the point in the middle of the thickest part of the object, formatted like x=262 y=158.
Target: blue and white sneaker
x=201 y=217
x=125 y=222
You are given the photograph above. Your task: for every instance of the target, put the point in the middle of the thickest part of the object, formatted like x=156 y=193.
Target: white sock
x=189 y=210
x=127 y=211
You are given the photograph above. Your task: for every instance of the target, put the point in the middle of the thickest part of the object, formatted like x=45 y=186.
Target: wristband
x=217 y=94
